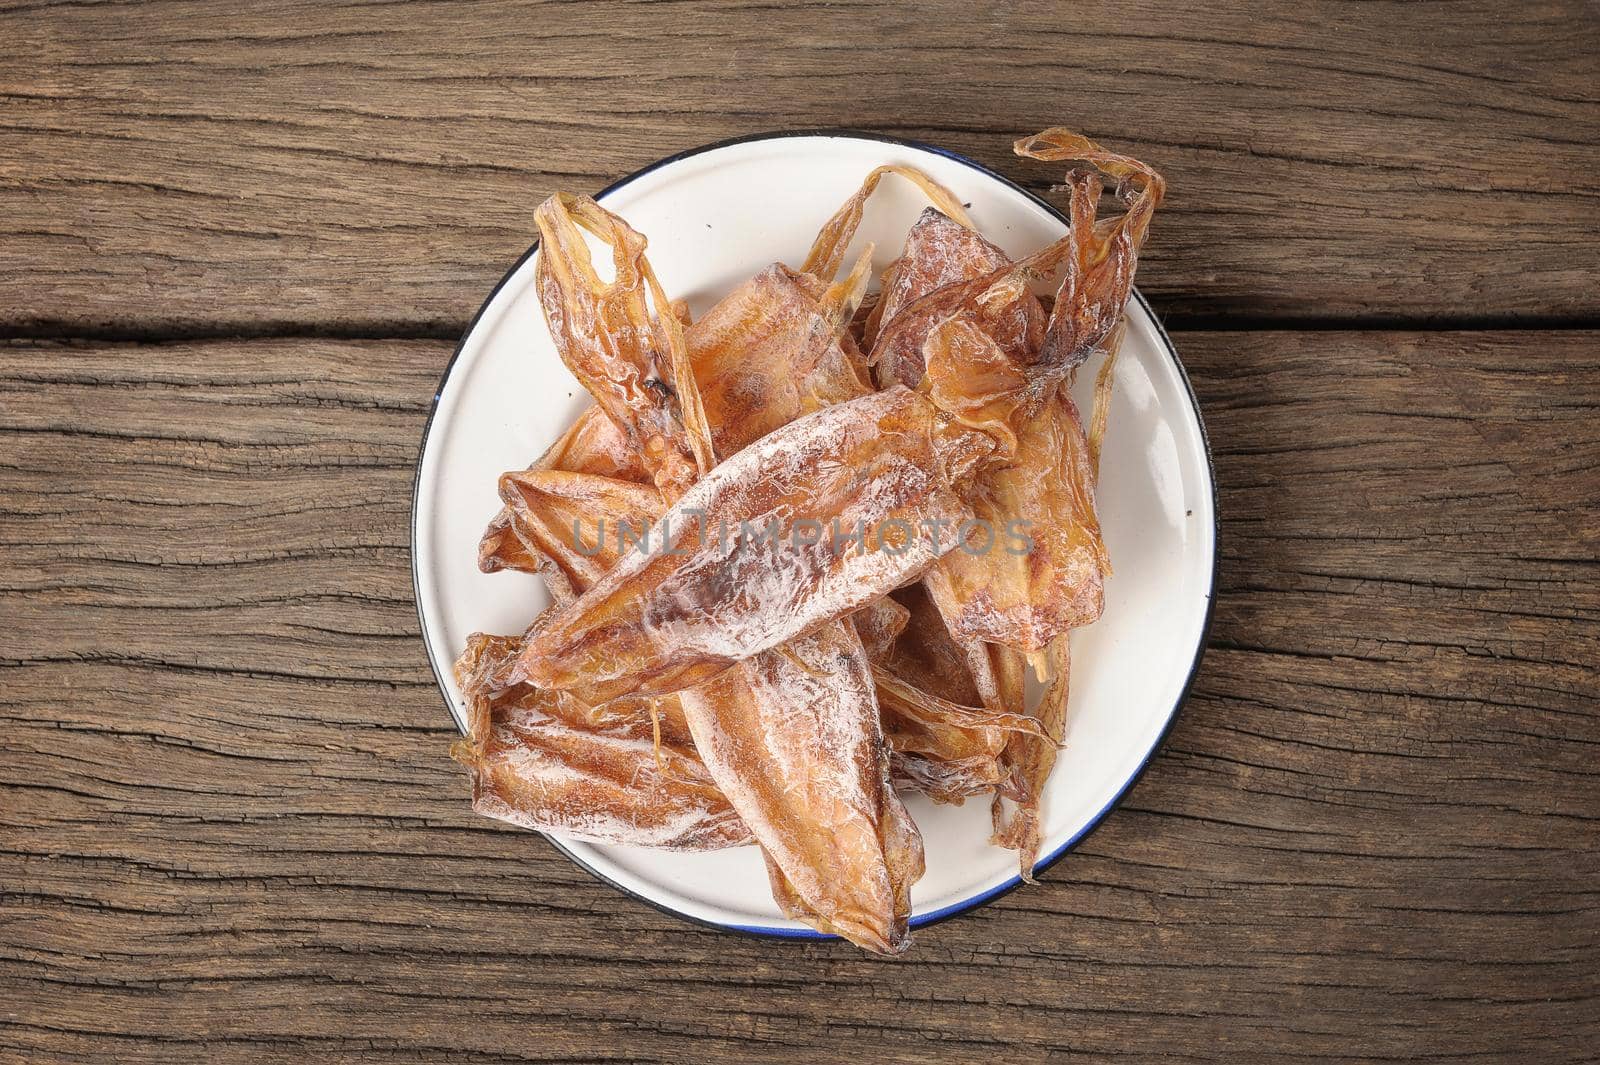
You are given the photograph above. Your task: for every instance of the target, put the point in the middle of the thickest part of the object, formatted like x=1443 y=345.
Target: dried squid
x=899 y=465
x=789 y=461
x=542 y=760
x=791 y=735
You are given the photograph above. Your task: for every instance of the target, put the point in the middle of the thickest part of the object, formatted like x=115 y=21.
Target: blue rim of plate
x=965 y=905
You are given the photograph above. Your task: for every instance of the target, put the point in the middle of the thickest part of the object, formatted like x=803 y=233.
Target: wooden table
x=236 y=247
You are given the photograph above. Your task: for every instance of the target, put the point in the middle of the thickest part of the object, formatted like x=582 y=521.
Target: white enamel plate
x=714 y=217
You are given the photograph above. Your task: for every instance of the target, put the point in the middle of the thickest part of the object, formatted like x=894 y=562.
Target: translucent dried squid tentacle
x=912 y=701
x=1104 y=254
x=828 y=251
x=1100 y=258
x=1030 y=760
x=946 y=756
x=1101 y=412
x=621 y=338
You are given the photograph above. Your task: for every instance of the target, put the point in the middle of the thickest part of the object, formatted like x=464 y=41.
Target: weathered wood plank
x=373 y=168
x=228 y=829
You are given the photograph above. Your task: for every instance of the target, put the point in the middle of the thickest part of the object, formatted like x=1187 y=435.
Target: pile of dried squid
x=721 y=686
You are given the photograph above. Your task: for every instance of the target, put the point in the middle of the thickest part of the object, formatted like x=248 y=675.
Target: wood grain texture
x=371 y=168
x=229 y=831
